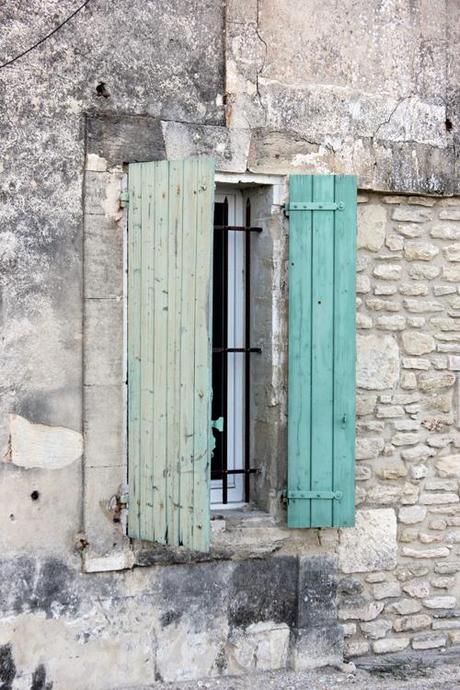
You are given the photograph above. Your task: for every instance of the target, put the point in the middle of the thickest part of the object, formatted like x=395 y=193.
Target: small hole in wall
x=102 y=90
x=449 y=124
x=12 y=517
x=35 y=495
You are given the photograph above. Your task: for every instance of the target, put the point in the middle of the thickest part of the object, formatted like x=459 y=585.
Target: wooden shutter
x=169 y=350
x=321 y=406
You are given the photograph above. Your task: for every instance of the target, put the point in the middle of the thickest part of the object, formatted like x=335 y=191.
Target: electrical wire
x=45 y=38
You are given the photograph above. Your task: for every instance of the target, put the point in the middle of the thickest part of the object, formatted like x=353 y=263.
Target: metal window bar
x=219 y=468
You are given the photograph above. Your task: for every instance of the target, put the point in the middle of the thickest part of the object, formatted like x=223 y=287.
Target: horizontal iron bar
x=308 y=495
x=236 y=228
x=258 y=350
x=315 y=206
x=252 y=470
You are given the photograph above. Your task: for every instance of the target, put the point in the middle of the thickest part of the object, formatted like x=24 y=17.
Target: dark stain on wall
x=39 y=679
x=263 y=590
x=7 y=667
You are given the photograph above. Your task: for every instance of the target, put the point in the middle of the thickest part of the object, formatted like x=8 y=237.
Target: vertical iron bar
x=247 y=355
x=225 y=357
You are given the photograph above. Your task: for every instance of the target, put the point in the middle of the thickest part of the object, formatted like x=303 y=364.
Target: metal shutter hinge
x=124 y=199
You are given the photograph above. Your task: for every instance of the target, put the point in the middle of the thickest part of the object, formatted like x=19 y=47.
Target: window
x=231 y=462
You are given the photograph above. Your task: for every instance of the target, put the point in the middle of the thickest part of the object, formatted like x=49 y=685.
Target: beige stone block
x=429 y=641
x=452 y=252
x=422 y=306
x=377 y=304
x=413 y=289
x=444 y=602
x=433 y=552
x=363 y=321
x=363 y=283
x=370 y=545
x=387 y=271
x=406 y=606
x=377 y=362
x=451 y=273
x=391 y=323
x=367 y=448
x=415 y=363
x=410 y=515
x=385 y=289
x=416 y=622
x=449 y=214
x=356 y=648
x=394 y=242
x=376 y=629
x=261 y=646
x=390 y=644
x=445 y=232
x=415 y=250
x=439 y=498
x=408 y=380
x=435 y=381
x=387 y=590
x=409 y=230
x=365 y=612
x=418 y=343
x=371 y=227
x=424 y=271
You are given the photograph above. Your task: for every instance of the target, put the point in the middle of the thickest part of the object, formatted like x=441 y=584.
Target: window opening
x=230 y=466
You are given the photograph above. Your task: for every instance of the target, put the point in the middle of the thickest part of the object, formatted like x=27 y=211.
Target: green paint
x=321 y=407
x=169 y=350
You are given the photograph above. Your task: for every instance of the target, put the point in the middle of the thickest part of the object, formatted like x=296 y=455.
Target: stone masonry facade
x=408 y=428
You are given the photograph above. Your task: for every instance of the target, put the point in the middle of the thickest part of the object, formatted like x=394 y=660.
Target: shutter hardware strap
x=313 y=206
x=308 y=495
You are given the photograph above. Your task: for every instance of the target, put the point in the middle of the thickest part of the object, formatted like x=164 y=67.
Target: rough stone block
x=259 y=647
x=448 y=465
x=390 y=644
x=317 y=647
x=377 y=362
x=416 y=622
x=371 y=226
x=387 y=590
x=425 y=641
x=370 y=545
x=412 y=514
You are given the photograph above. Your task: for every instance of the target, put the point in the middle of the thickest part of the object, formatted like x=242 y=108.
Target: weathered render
x=367 y=88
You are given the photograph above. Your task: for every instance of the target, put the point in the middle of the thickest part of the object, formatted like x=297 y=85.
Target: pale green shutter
x=321 y=403
x=169 y=350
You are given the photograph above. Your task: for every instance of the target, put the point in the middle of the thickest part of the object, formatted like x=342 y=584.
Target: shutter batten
x=169 y=350
x=321 y=387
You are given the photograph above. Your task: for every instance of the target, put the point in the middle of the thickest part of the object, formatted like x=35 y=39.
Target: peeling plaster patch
x=96 y=163
x=37 y=445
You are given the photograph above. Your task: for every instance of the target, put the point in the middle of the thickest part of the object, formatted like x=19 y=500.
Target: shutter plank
x=187 y=351
x=160 y=350
x=322 y=343
x=146 y=317
x=176 y=179
x=345 y=351
x=203 y=395
x=299 y=400
x=134 y=343
x=169 y=355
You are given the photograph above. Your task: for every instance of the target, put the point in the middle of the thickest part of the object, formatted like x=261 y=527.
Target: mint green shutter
x=170 y=228
x=321 y=403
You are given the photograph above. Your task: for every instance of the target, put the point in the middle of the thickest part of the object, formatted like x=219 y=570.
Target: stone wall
x=408 y=435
